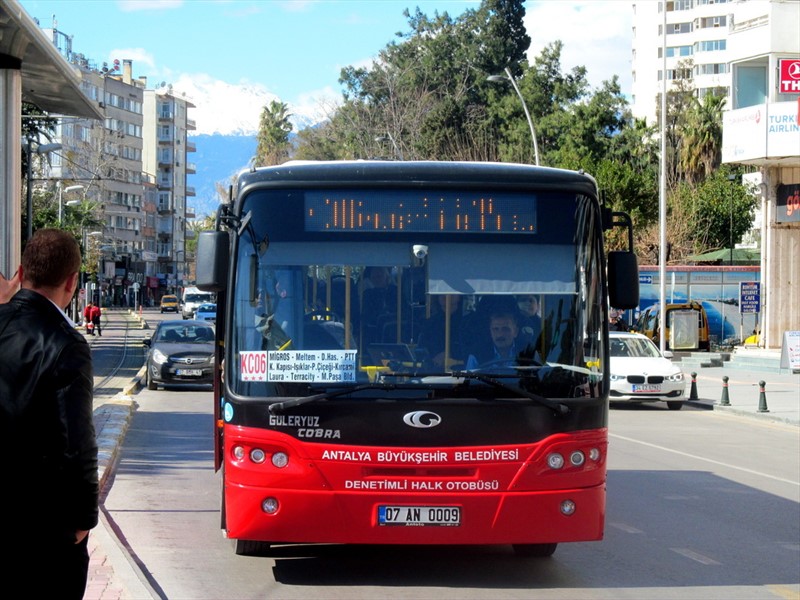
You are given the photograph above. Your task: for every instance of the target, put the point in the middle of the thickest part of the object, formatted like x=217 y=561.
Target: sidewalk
x=781 y=393
x=112 y=576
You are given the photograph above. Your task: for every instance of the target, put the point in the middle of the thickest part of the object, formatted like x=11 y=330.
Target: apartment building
x=750 y=51
x=761 y=128
x=134 y=166
x=696 y=50
x=167 y=124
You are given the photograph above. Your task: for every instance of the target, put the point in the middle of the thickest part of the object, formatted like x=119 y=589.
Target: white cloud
x=221 y=107
x=139 y=56
x=596 y=34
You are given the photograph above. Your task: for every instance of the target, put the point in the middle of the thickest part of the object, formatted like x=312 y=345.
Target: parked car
x=206 y=312
x=640 y=373
x=169 y=303
x=180 y=352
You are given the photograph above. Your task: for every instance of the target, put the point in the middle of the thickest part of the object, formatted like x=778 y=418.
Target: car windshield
x=185 y=334
x=632 y=347
x=207 y=308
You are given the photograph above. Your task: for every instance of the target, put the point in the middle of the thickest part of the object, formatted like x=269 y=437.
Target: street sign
x=749 y=297
x=82 y=293
x=645 y=279
x=789 y=82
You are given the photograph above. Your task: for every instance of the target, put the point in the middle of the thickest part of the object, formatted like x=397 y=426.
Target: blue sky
x=230 y=57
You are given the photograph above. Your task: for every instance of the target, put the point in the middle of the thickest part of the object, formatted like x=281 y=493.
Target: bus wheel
x=538 y=550
x=674 y=404
x=250 y=548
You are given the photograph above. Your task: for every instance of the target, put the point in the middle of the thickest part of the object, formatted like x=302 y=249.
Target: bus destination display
x=419 y=212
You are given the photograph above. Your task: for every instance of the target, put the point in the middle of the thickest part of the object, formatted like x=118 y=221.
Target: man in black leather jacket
x=49 y=497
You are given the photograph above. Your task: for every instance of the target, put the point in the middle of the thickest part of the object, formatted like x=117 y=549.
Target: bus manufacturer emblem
x=422 y=419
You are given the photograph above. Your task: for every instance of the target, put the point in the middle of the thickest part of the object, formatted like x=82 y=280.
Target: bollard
x=762 y=397
x=693 y=389
x=725 y=400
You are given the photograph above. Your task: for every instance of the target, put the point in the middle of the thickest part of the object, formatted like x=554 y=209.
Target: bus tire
x=535 y=550
x=250 y=548
x=674 y=404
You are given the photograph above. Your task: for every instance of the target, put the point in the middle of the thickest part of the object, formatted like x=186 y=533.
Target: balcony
x=191 y=168
x=191 y=124
x=165 y=139
x=166 y=115
x=191 y=146
x=190 y=191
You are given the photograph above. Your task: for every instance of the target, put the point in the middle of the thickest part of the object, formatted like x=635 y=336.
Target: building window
x=710 y=45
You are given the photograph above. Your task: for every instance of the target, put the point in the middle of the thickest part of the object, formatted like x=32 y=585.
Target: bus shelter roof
x=48 y=80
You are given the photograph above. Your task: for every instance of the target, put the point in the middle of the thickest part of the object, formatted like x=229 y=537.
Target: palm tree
x=273 y=135
x=702 y=148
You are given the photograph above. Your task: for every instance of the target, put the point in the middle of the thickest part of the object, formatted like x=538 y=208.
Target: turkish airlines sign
x=790 y=76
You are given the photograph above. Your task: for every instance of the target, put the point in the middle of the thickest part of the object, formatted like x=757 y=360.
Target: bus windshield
x=360 y=295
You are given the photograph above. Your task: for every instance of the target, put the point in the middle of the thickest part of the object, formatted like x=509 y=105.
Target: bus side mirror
x=623 y=280
x=213 y=249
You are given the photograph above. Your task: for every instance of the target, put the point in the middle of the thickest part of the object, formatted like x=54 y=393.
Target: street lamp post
x=388 y=136
x=29 y=150
x=508 y=76
x=66 y=190
x=731 y=178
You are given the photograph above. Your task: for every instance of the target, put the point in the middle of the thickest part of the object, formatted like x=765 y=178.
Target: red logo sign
x=790 y=76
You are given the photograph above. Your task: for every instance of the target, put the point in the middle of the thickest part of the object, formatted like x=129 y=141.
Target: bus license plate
x=189 y=372
x=420 y=516
x=647 y=388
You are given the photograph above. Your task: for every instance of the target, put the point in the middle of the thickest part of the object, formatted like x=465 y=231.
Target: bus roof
x=361 y=173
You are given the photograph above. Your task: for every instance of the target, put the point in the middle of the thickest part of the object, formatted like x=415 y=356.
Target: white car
x=206 y=312
x=639 y=373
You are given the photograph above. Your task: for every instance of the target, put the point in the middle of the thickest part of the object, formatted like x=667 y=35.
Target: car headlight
x=615 y=377
x=675 y=377
x=159 y=357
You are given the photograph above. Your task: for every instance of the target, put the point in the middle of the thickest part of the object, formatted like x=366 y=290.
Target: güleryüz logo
x=422 y=419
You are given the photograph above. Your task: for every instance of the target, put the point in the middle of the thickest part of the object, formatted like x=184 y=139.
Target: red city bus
x=387 y=377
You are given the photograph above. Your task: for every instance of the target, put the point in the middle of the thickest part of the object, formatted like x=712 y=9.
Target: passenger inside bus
x=531 y=321
x=432 y=336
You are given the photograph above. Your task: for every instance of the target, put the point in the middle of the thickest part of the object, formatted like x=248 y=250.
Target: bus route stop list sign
x=298 y=366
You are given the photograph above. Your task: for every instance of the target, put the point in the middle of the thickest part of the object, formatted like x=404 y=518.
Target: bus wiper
x=278 y=407
x=557 y=407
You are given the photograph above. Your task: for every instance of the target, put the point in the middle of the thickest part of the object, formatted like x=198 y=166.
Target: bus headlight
x=555 y=460
x=567 y=507
x=280 y=460
x=577 y=458
x=594 y=454
x=238 y=452
x=257 y=455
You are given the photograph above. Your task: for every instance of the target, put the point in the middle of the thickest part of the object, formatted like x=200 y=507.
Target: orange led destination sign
x=412 y=212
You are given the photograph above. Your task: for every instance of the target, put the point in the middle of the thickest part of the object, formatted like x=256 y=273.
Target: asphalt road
x=701 y=504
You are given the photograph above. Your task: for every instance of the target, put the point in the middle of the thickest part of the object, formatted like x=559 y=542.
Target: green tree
x=273 y=135
x=701 y=152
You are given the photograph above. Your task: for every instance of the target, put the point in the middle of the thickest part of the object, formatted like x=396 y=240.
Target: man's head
x=504 y=329
x=50 y=264
x=528 y=305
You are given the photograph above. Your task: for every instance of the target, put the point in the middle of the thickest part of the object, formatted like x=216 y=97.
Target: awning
x=48 y=80
x=739 y=256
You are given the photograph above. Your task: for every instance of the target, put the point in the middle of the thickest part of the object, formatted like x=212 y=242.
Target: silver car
x=639 y=372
